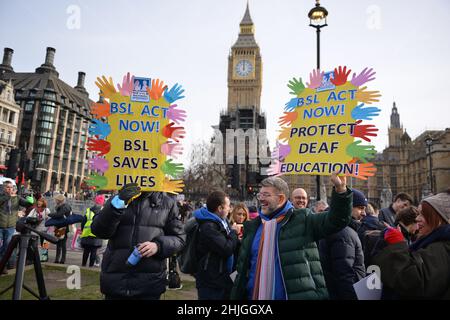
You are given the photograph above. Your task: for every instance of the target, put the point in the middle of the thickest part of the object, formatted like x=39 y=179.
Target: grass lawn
x=55 y=283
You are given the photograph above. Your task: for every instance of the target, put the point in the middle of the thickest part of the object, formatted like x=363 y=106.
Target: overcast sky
x=406 y=42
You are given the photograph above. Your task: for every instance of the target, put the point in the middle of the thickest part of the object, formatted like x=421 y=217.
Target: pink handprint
x=315 y=79
x=275 y=168
x=176 y=115
x=281 y=151
x=171 y=149
x=127 y=85
x=363 y=77
x=98 y=164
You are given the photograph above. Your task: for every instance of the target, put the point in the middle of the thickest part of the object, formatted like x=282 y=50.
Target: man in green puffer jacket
x=278 y=259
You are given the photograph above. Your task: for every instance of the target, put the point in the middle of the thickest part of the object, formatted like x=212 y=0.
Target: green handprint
x=172 y=169
x=363 y=153
x=296 y=86
x=94 y=180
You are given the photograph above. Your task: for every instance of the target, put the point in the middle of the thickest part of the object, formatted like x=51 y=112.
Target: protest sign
x=133 y=134
x=319 y=126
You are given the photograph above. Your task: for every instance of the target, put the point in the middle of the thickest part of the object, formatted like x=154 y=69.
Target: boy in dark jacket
x=342 y=256
x=217 y=243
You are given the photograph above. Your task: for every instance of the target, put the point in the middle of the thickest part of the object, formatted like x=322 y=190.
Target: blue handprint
x=360 y=113
x=98 y=128
x=174 y=93
x=292 y=104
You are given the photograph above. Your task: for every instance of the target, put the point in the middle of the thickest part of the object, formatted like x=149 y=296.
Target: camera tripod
x=27 y=243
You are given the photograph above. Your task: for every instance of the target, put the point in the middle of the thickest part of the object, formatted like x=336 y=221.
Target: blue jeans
x=5 y=238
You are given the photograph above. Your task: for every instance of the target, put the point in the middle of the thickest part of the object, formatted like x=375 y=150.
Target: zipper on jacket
x=279 y=261
x=135 y=228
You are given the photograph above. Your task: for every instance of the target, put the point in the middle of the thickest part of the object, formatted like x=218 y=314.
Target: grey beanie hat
x=441 y=203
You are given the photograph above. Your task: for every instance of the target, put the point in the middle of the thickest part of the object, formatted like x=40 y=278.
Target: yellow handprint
x=284 y=134
x=173 y=186
x=367 y=96
x=107 y=87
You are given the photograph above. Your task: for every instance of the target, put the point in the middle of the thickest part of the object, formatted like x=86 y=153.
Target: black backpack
x=187 y=258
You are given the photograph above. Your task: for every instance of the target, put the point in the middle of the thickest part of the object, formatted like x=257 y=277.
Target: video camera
x=28 y=224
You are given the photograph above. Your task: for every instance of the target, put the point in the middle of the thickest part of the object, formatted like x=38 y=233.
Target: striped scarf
x=265 y=266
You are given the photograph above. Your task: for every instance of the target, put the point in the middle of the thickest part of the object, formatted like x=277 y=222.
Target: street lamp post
x=429 y=143
x=318 y=19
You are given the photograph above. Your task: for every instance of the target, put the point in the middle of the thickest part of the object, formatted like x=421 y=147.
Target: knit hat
x=60 y=197
x=359 y=199
x=100 y=199
x=440 y=203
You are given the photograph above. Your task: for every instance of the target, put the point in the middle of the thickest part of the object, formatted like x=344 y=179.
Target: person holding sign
x=278 y=258
x=146 y=226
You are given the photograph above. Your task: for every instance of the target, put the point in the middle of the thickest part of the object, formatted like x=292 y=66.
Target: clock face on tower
x=244 y=68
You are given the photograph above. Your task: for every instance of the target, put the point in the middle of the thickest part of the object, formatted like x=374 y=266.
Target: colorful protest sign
x=319 y=126
x=133 y=134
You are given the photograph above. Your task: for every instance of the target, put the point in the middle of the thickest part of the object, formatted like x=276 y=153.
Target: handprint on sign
x=98 y=164
x=281 y=151
x=173 y=186
x=340 y=76
x=127 y=85
x=156 y=90
x=363 y=77
x=99 y=128
x=284 y=134
x=171 y=132
x=364 y=131
x=176 y=115
x=171 y=149
x=364 y=170
x=100 y=110
x=367 y=96
x=275 y=168
x=288 y=118
x=296 y=86
x=172 y=169
x=97 y=181
x=106 y=86
x=174 y=93
x=355 y=150
x=101 y=146
x=315 y=79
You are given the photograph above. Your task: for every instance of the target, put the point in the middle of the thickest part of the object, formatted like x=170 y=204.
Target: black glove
x=129 y=192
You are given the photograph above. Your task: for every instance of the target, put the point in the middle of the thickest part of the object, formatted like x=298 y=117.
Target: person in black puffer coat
x=148 y=221
x=342 y=256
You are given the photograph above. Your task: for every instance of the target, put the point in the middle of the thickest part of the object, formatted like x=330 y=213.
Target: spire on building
x=395 y=117
x=246 y=37
x=247 y=19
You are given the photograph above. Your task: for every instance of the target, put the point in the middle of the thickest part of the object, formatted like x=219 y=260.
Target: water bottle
x=134 y=257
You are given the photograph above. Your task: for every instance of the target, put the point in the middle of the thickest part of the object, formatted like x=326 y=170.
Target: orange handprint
x=367 y=96
x=100 y=110
x=364 y=170
x=157 y=89
x=288 y=118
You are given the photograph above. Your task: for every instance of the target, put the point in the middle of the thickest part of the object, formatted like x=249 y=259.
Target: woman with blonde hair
x=238 y=216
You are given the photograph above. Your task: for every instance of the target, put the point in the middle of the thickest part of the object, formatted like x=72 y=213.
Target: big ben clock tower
x=244 y=69
x=243 y=125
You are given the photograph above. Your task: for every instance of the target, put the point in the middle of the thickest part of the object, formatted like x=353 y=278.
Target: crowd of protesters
x=282 y=249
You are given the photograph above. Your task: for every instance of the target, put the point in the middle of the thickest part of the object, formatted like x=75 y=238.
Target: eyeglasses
x=264 y=195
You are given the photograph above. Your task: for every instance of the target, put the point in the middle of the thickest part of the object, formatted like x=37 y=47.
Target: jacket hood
x=204 y=214
x=371 y=221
